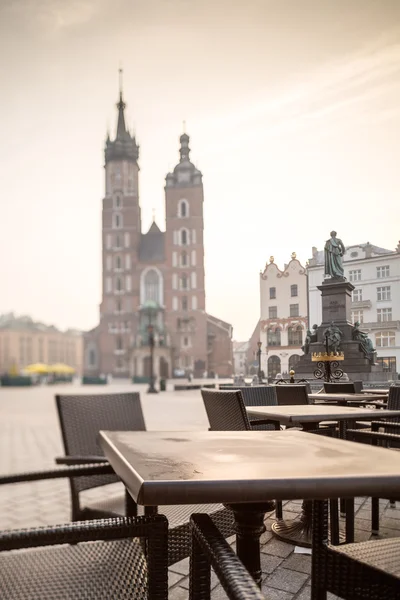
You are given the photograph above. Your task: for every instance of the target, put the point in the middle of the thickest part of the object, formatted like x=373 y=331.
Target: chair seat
x=85 y=571
x=383 y=555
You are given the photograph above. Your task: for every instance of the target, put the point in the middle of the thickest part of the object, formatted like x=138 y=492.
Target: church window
x=174 y=259
x=193 y=258
x=193 y=236
x=118 y=241
x=117 y=221
x=118 y=263
x=185 y=342
x=184 y=260
x=184 y=237
x=152 y=286
x=117 y=201
x=194 y=303
x=183 y=209
x=174 y=281
x=128 y=283
x=184 y=303
x=184 y=282
x=194 y=280
x=118 y=284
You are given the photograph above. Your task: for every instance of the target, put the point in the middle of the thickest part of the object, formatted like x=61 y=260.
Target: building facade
x=24 y=342
x=240 y=362
x=283 y=316
x=156 y=278
x=375 y=273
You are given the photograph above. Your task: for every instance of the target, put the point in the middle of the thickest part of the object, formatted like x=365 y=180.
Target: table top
x=314 y=413
x=378 y=391
x=348 y=397
x=207 y=467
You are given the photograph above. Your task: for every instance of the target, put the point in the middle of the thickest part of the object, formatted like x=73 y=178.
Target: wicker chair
x=258 y=395
x=210 y=549
x=358 y=571
x=291 y=394
x=81 y=418
x=341 y=387
x=92 y=559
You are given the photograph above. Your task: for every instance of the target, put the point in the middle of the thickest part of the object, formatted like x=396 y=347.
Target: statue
x=333 y=335
x=314 y=333
x=362 y=337
x=307 y=341
x=334 y=250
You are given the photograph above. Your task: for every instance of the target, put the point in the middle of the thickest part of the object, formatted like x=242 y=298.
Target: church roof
x=152 y=245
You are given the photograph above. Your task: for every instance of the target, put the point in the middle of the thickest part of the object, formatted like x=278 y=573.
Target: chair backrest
x=393 y=404
x=291 y=394
x=81 y=418
x=258 y=395
x=347 y=387
x=225 y=410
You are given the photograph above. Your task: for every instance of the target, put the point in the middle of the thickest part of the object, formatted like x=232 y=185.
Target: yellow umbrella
x=61 y=368
x=39 y=368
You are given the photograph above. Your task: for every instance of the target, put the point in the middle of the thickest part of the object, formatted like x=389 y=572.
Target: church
x=155 y=279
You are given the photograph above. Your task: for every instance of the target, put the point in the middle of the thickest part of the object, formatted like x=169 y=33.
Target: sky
x=292 y=107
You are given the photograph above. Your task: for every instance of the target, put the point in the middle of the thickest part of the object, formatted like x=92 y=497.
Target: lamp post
x=152 y=389
x=259 y=362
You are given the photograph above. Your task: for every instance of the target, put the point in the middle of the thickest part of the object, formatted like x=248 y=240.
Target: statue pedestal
x=336 y=308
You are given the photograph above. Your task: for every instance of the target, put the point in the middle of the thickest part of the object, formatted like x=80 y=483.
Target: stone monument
x=336 y=332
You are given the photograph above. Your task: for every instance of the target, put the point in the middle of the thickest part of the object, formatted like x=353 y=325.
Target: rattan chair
x=81 y=418
x=358 y=571
x=343 y=387
x=86 y=559
x=210 y=549
x=291 y=394
x=258 y=395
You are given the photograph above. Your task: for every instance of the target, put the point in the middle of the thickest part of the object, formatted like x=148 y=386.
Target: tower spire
x=121 y=127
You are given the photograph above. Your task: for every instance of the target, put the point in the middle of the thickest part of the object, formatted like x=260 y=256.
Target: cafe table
x=345 y=399
x=309 y=416
x=246 y=470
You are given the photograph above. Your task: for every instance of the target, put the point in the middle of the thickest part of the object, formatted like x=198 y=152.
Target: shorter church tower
x=184 y=290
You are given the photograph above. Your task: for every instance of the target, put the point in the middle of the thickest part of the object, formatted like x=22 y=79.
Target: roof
x=152 y=245
x=9 y=321
x=319 y=258
x=240 y=346
x=218 y=322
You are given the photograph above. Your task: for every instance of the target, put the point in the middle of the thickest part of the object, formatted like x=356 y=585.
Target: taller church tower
x=121 y=232
x=184 y=289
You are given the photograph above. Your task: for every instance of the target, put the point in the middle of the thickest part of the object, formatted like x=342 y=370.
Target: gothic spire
x=121 y=127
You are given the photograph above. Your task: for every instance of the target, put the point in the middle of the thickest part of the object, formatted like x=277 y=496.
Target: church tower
x=184 y=289
x=121 y=232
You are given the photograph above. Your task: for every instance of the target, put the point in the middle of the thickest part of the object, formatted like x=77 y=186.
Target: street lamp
x=152 y=389
x=259 y=362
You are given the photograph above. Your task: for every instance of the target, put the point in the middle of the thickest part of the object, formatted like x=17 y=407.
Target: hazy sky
x=293 y=108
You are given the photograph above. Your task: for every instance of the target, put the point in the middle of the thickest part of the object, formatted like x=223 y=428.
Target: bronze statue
x=334 y=337
x=307 y=341
x=314 y=333
x=360 y=336
x=334 y=250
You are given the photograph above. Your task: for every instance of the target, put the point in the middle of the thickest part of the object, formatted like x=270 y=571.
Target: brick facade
x=155 y=278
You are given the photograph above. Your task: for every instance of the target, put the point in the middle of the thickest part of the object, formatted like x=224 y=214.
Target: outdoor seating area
x=235 y=497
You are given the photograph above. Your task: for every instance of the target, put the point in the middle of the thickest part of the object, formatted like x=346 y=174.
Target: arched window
x=117 y=201
x=274 y=366
x=152 y=286
x=117 y=221
x=293 y=360
x=118 y=262
x=184 y=259
x=295 y=336
x=184 y=237
x=274 y=336
x=385 y=338
x=184 y=282
x=183 y=209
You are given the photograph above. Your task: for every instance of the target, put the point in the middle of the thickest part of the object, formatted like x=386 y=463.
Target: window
x=274 y=366
x=356 y=295
x=117 y=221
x=117 y=201
x=355 y=275
x=127 y=240
x=118 y=284
x=384 y=314
x=184 y=282
x=184 y=259
x=274 y=336
x=385 y=338
x=108 y=241
x=174 y=259
x=128 y=283
x=383 y=293
x=388 y=363
x=127 y=262
x=272 y=293
x=294 y=310
x=118 y=306
x=174 y=281
x=184 y=237
x=152 y=286
x=193 y=258
x=293 y=291
x=295 y=336
x=293 y=360
x=382 y=272
x=108 y=285
x=193 y=236
x=193 y=280
x=194 y=302
x=185 y=341
x=118 y=263
x=183 y=209
x=174 y=303
x=184 y=303
x=357 y=315
x=273 y=312
x=118 y=243
x=119 y=345
x=108 y=263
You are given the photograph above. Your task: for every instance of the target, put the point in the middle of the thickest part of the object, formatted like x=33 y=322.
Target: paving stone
x=286 y=580
x=274 y=594
x=181 y=567
x=177 y=593
x=174 y=578
x=277 y=548
x=219 y=593
x=299 y=562
x=269 y=562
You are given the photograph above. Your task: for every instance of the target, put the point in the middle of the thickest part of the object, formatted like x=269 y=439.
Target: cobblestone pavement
x=30 y=439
